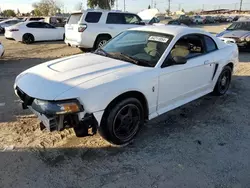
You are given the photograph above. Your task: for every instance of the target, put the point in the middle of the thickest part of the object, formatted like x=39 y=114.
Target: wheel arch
x=129 y=94
x=29 y=34
x=231 y=65
x=102 y=35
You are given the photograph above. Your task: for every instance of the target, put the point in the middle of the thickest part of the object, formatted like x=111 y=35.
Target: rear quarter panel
x=228 y=54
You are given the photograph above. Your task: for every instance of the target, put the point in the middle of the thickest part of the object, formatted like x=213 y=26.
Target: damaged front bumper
x=59 y=115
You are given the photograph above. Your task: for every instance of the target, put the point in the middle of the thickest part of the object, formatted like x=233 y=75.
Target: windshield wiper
x=101 y=52
x=124 y=56
x=133 y=59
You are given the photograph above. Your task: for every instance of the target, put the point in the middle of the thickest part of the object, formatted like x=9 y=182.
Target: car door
x=50 y=32
x=179 y=84
x=35 y=28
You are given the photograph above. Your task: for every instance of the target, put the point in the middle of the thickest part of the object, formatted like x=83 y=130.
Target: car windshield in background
x=239 y=26
x=146 y=21
x=74 y=18
x=138 y=47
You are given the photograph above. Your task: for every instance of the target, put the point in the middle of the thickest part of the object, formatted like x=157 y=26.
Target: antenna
x=124 y=5
x=116 y=4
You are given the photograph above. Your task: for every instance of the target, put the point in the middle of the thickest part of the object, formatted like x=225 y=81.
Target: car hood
x=51 y=79
x=234 y=34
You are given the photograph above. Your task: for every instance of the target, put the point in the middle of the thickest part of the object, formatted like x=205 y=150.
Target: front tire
x=122 y=122
x=28 y=38
x=101 y=41
x=223 y=82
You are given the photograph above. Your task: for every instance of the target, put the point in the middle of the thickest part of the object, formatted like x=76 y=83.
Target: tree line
x=53 y=7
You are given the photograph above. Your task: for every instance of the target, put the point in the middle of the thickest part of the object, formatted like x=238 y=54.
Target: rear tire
x=122 y=122
x=223 y=82
x=28 y=38
x=101 y=41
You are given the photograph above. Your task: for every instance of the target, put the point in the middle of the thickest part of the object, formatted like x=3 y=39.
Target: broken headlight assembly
x=57 y=107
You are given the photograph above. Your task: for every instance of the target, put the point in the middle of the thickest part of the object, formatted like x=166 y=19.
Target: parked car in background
x=166 y=20
x=140 y=74
x=1 y=49
x=217 y=19
x=209 y=19
x=31 y=31
x=93 y=28
x=56 y=21
x=236 y=18
x=27 y=19
x=222 y=19
x=184 y=19
x=240 y=32
x=198 y=19
x=7 y=23
x=154 y=20
x=230 y=19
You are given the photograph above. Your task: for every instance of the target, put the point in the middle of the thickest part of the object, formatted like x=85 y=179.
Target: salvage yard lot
x=203 y=144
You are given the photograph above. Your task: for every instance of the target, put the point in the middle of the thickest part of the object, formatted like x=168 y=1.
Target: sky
x=135 y=5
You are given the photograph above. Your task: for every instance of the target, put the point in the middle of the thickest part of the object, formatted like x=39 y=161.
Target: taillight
x=12 y=30
x=82 y=28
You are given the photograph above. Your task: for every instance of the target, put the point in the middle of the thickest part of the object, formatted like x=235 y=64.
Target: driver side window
x=187 y=47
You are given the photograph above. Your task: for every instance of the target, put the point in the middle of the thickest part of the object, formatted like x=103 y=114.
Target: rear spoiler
x=227 y=40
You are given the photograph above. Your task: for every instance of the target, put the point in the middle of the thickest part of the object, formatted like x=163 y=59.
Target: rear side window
x=47 y=26
x=34 y=25
x=116 y=18
x=36 y=19
x=74 y=18
x=132 y=19
x=210 y=44
x=93 y=17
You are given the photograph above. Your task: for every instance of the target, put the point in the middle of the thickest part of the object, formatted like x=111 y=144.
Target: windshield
x=146 y=21
x=239 y=26
x=138 y=47
x=75 y=18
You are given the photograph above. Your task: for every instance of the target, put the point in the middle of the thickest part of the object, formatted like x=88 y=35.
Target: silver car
x=239 y=31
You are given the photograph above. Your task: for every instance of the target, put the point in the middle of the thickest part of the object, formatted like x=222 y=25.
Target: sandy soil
x=202 y=144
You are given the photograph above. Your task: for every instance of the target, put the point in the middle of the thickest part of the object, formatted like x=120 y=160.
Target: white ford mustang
x=29 y=32
x=138 y=75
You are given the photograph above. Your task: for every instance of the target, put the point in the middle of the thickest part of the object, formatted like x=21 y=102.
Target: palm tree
x=103 y=4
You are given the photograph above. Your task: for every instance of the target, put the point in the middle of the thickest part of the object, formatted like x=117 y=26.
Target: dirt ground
x=202 y=144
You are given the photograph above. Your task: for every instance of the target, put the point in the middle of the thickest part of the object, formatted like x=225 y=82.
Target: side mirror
x=179 y=60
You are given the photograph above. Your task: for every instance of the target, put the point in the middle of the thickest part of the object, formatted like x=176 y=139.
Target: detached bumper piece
x=85 y=127
x=58 y=122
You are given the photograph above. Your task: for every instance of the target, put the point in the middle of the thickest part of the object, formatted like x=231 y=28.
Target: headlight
x=248 y=38
x=56 y=107
x=242 y=39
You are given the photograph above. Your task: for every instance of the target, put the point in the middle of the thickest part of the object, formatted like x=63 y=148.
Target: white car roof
x=178 y=31
x=8 y=20
x=170 y=29
x=97 y=10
